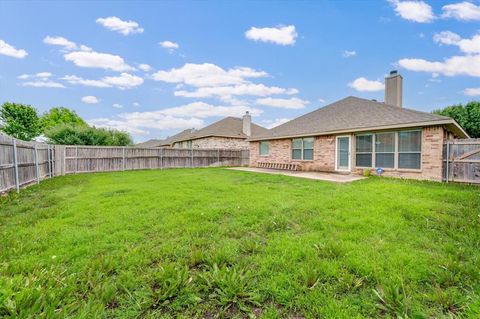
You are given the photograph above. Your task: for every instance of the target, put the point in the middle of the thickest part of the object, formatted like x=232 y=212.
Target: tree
x=60 y=115
x=67 y=134
x=20 y=121
x=468 y=116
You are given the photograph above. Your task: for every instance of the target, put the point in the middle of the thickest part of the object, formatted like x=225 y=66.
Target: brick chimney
x=247 y=124
x=394 y=89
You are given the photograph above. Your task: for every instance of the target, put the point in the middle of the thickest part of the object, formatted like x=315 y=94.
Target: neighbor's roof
x=353 y=114
x=183 y=135
x=227 y=127
x=150 y=143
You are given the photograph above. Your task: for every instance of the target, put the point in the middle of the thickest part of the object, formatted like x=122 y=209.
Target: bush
x=67 y=134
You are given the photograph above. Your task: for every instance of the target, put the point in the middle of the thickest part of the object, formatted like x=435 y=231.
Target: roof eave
x=457 y=129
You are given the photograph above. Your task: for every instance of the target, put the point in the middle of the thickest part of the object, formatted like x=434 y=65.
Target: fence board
x=461 y=161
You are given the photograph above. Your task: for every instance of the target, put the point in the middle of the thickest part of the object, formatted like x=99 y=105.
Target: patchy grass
x=218 y=243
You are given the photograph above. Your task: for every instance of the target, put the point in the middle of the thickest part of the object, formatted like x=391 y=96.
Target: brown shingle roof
x=227 y=127
x=354 y=114
x=150 y=143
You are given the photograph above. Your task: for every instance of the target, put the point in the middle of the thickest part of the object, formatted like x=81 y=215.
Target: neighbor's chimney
x=394 y=89
x=247 y=124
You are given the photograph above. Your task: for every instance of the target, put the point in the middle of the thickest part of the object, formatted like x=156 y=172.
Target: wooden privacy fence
x=23 y=163
x=83 y=159
x=461 y=161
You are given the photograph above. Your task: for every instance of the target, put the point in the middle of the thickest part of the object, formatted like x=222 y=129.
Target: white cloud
x=44 y=84
x=92 y=59
x=417 y=11
x=136 y=104
x=9 y=50
x=139 y=122
x=117 y=106
x=123 y=81
x=207 y=74
x=282 y=35
x=171 y=46
x=471 y=45
x=225 y=92
x=90 y=99
x=73 y=79
x=60 y=41
x=118 y=25
x=144 y=67
x=274 y=123
x=466 y=11
x=40 y=80
x=203 y=110
x=292 y=103
x=472 y=91
x=363 y=85
x=44 y=74
x=348 y=54
x=455 y=65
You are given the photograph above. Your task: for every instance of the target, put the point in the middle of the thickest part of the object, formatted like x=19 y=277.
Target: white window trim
x=349 y=154
x=303 y=149
x=372 y=152
x=396 y=156
x=260 y=148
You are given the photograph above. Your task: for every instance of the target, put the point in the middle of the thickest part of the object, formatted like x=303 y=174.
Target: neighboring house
x=168 y=142
x=354 y=134
x=228 y=133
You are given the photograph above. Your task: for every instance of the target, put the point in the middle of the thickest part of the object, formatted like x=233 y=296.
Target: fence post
x=37 y=172
x=48 y=162
x=123 y=158
x=76 y=159
x=218 y=157
x=161 y=158
x=447 y=173
x=52 y=159
x=15 y=165
x=191 y=158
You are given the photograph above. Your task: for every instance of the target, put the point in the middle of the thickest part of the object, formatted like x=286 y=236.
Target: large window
x=363 y=150
x=302 y=148
x=401 y=149
x=385 y=150
x=409 y=149
x=264 y=148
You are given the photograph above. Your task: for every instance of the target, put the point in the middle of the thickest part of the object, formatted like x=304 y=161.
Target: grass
x=217 y=243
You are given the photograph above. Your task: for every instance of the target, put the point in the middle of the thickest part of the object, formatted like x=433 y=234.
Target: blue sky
x=155 y=68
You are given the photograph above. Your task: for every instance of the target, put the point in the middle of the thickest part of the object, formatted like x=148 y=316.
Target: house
x=228 y=133
x=168 y=142
x=353 y=135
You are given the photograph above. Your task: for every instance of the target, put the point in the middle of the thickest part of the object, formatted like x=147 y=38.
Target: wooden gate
x=461 y=161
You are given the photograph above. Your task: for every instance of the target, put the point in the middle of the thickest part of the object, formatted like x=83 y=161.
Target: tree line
x=59 y=125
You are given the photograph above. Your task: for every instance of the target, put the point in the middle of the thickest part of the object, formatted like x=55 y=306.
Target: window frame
x=417 y=152
x=396 y=152
x=260 y=148
x=302 y=149
x=372 y=152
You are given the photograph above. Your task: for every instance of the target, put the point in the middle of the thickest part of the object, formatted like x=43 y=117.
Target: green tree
x=20 y=121
x=60 y=115
x=468 y=116
x=67 y=134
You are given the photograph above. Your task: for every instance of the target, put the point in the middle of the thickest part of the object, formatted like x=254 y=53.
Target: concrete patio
x=330 y=177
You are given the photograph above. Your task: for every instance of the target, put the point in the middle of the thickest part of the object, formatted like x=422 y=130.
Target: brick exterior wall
x=219 y=142
x=324 y=155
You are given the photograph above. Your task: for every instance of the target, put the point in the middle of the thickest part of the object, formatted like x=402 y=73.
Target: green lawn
x=214 y=242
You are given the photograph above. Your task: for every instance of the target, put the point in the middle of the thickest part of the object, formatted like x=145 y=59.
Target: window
x=264 y=148
x=302 y=148
x=363 y=150
x=385 y=150
x=409 y=149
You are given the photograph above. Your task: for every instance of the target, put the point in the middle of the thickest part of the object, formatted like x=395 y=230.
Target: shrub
x=67 y=134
